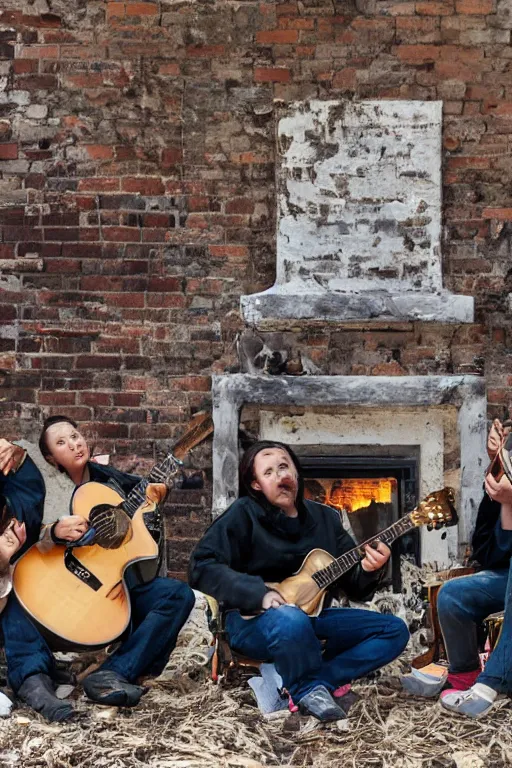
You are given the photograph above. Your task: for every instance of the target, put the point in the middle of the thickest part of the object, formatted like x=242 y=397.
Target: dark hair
x=49 y=422
x=246 y=470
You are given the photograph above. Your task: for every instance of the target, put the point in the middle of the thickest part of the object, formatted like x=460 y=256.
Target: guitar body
x=300 y=589
x=65 y=607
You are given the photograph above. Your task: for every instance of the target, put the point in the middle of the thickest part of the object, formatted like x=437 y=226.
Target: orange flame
x=351 y=494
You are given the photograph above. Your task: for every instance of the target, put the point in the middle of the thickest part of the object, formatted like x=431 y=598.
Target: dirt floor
x=185 y=721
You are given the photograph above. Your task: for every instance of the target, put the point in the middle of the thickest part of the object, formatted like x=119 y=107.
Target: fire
x=351 y=494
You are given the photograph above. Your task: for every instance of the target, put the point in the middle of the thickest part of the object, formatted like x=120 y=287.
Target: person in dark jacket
x=263 y=538
x=21 y=509
x=159 y=608
x=464 y=602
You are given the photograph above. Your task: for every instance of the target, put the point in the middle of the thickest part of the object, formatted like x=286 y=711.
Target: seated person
x=264 y=536
x=159 y=608
x=12 y=538
x=464 y=602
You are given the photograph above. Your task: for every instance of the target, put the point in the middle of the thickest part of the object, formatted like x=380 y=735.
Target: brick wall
x=137 y=198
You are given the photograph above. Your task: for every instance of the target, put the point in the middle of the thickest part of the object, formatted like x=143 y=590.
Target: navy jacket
x=249 y=545
x=24 y=492
x=492 y=546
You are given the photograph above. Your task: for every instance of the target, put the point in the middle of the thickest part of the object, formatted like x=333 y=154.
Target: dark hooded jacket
x=492 y=546
x=253 y=542
x=24 y=493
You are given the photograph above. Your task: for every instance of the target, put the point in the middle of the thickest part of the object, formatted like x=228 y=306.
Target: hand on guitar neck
x=376 y=556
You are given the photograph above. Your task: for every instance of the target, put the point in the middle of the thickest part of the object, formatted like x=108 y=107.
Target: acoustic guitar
x=307 y=588
x=76 y=593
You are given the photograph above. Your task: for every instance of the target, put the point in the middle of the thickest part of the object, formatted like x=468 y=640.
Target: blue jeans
x=498 y=670
x=159 y=610
x=462 y=604
x=355 y=642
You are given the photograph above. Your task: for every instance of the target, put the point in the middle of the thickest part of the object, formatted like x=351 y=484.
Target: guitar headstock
x=198 y=430
x=436 y=510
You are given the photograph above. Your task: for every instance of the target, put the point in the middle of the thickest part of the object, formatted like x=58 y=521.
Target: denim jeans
x=498 y=670
x=462 y=604
x=355 y=642
x=159 y=610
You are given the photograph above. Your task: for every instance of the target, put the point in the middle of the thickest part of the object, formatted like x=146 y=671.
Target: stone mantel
x=358 y=216
x=465 y=393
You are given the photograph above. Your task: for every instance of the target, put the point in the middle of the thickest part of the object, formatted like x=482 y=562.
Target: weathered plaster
x=359 y=215
x=388 y=394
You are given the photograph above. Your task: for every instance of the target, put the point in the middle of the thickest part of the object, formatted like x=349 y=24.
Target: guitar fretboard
x=161 y=473
x=327 y=576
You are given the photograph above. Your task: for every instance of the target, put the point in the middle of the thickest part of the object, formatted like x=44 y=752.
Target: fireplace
x=437 y=421
x=370 y=493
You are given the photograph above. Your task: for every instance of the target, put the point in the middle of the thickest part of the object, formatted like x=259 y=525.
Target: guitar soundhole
x=112 y=525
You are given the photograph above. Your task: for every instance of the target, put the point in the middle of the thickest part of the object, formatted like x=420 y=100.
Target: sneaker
x=466 y=703
x=419 y=683
x=463 y=681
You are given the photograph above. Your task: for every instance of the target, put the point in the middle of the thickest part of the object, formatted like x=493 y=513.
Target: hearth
x=371 y=493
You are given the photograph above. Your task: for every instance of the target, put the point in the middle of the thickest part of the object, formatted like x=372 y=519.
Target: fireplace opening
x=373 y=493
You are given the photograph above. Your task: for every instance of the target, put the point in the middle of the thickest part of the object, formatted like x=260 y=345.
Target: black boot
x=321 y=705
x=107 y=687
x=37 y=691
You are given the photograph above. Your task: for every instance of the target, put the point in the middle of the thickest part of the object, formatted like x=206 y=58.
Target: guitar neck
x=161 y=473
x=327 y=576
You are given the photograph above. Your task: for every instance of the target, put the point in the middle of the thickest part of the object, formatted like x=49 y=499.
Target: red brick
x=161 y=284
x=502 y=214
x=206 y=51
x=99 y=151
x=24 y=66
x=145 y=185
x=240 y=205
x=278 y=36
x=56 y=398
x=191 y=383
x=272 y=75
x=99 y=184
x=121 y=234
x=95 y=398
x=443 y=8
x=142 y=9
x=115 y=10
x=285 y=23
x=475 y=7
x=8 y=151
x=468 y=162
x=171 y=156
x=37 y=82
x=286 y=9
x=40 y=52
x=418 y=54
x=169 y=68
x=107 y=362
x=345 y=78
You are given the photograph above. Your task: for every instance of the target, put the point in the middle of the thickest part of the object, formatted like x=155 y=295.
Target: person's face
x=67 y=447
x=275 y=476
x=11 y=540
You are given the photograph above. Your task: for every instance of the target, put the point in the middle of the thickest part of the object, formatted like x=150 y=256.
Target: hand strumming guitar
x=497 y=435
x=376 y=557
x=71 y=527
x=272 y=600
x=10 y=456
